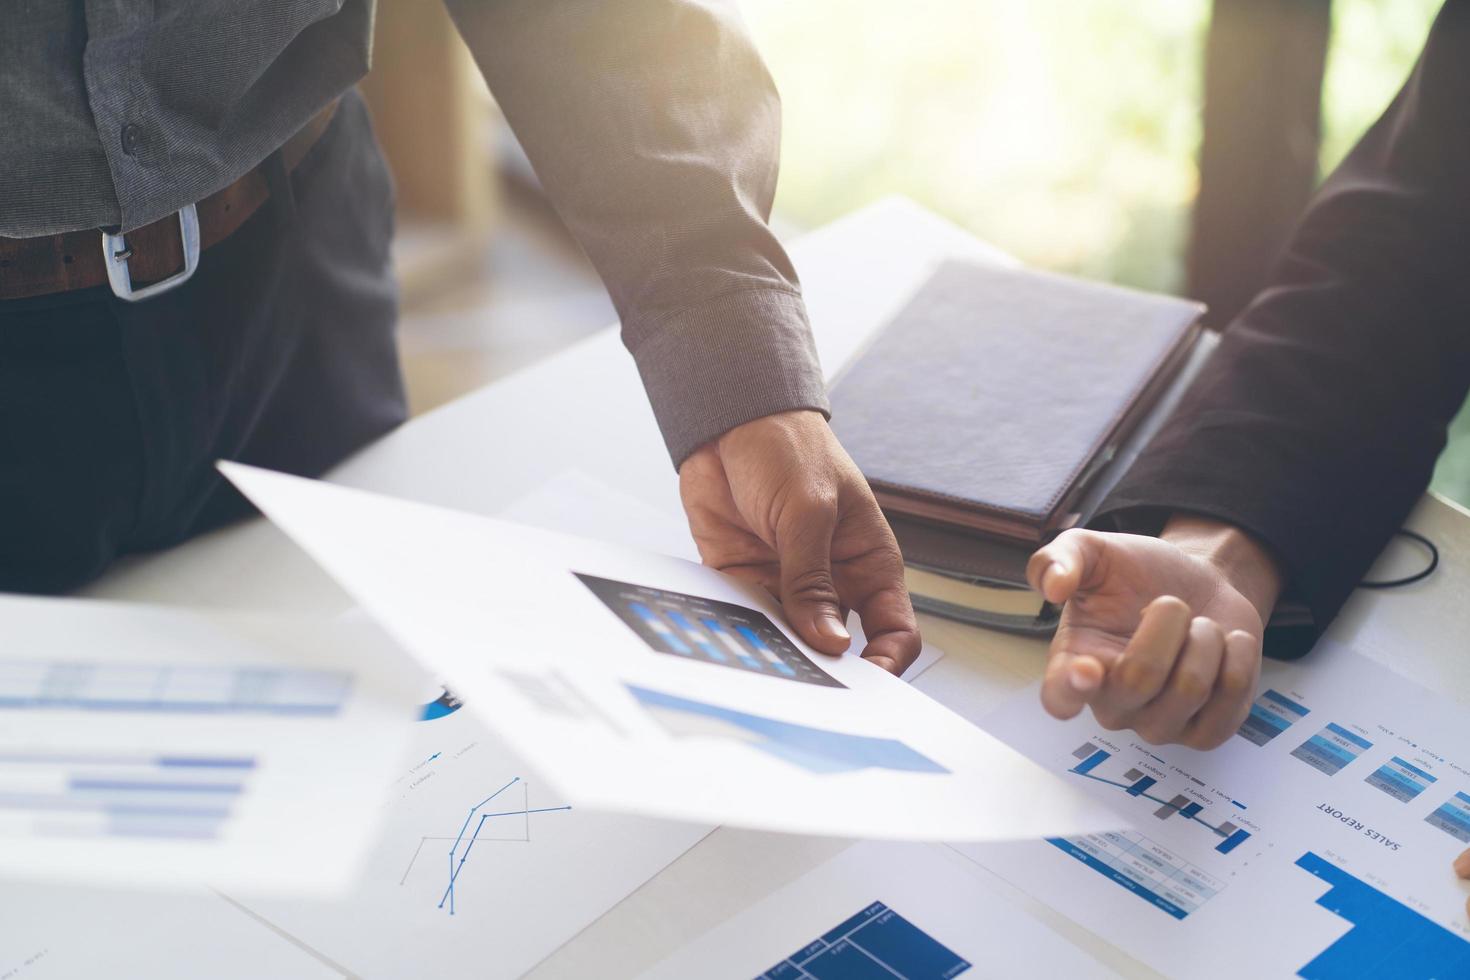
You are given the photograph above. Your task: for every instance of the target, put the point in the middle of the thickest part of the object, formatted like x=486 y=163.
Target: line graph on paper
x=504 y=816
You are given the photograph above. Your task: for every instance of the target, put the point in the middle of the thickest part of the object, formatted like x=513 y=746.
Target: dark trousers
x=279 y=352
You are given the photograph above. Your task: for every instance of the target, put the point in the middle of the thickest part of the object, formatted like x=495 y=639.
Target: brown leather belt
x=153 y=253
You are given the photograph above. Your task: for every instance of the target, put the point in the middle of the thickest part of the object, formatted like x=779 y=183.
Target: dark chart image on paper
x=716 y=632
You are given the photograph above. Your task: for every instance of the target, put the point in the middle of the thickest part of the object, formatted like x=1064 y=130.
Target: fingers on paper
x=893 y=633
x=808 y=590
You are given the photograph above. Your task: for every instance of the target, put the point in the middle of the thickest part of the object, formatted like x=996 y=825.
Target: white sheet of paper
x=154 y=748
x=645 y=684
x=913 y=910
x=573 y=502
x=50 y=932
x=1316 y=842
x=481 y=870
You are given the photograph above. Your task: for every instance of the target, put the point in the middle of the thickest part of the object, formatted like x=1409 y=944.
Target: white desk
x=584 y=408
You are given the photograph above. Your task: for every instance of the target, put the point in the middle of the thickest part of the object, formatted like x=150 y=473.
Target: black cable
x=1418 y=576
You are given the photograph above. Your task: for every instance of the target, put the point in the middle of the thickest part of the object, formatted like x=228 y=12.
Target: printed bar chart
x=1137 y=783
x=1091 y=757
x=1453 y=817
x=1400 y=779
x=707 y=630
x=1331 y=749
x=181 y=796
x=1141 y=784
x=1175 y=805
x=876 y=942
x=1144 y=867
x=1271 y=714
x=1235 y=838
x=72 y=686
x=1387 y=938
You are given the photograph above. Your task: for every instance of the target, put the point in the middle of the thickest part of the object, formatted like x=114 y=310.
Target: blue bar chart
x=181 y=797
x=1400 y=779
x=1137 y=784
x=1453 y=817
x=1331 y=749
x=1387 y=938
x=82 y=686
x=1271 y=714
x=707 y=630
x=876 y=942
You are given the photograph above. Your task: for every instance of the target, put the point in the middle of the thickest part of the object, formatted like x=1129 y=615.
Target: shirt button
x=131 y=138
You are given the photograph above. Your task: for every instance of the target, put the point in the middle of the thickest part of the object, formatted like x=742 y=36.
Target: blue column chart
x=707 y=630
x=1331 y=749
x=1387 y=938
x=1137 y=784
x=1453 y=817
x=876 y=942
x=1272 y=714
x=1400 y=779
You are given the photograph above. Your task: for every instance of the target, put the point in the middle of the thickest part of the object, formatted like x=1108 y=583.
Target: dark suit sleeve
x=1317 y=423
x=655 y=130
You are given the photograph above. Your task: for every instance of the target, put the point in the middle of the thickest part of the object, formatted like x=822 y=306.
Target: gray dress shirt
x=652 y=124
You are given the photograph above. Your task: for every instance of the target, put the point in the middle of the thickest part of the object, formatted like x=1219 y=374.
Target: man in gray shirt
x=194 y=227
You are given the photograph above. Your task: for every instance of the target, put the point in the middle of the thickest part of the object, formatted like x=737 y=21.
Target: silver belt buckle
x=115 y=255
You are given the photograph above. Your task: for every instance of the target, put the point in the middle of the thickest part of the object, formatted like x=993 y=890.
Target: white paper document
x=644 y=684
x=154 y=748
x=481 y=869
x=882 y=909
x=574 y=502
x=50 y=932
x=1317 y=842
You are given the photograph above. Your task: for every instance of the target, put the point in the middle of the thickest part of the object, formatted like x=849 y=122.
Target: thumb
x=1058 y=570
x=808 y=592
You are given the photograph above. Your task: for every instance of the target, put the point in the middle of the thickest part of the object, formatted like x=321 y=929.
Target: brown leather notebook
x=995 y=396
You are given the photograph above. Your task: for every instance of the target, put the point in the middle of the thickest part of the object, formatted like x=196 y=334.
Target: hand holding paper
x=779 y=502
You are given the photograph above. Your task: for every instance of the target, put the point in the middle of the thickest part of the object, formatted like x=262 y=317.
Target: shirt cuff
x=1304 y=511
x=721 y=363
